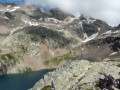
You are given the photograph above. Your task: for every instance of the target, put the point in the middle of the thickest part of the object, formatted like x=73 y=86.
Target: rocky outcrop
x=78 y=75
x=90 y=29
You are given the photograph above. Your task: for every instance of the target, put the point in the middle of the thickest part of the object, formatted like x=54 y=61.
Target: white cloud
x=107 y=10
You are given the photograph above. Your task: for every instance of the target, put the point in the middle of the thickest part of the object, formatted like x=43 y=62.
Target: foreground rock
x=78 y=75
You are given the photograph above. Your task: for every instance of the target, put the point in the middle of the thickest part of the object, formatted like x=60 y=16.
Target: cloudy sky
x=107 y=10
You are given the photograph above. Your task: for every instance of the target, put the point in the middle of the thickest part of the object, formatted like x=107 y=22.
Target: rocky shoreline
x=78 y=75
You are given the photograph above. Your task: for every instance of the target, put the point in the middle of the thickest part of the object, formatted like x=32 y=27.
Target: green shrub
x=46 y=62
x=56 y=60
x=115 y=59
x=9 y=58
x=47 y=87
x=25 y=70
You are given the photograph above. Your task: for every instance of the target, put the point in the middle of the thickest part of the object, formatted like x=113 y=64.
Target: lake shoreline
x=22 y=81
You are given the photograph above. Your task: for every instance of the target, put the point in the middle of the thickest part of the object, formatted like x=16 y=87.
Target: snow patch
x=90 y=20
x=110 y=32
x=6 y=18
x=85 y=36
x=99 y=29
x=52 y=20
x=81 y=25
x=15 y=30
x=17 y=7
x=113 y=53
x=12 y=10
x=98 y=46
x=31 y=23
x=91 y=37
x=82 y=49
x=116 y=31
x=69 y=20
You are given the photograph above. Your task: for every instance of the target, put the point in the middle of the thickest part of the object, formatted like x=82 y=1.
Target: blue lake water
x=21 y=81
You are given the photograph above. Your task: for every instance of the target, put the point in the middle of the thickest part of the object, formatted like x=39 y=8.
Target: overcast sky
x=107 y=10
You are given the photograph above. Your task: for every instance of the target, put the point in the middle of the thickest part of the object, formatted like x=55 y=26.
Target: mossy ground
x=47 y=88
x=115 y=59
x=9 y=57
x=25 y=70
x=56 y=60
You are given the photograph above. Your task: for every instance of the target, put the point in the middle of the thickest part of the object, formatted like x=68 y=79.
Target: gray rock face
x=9 y=15
x=90 y=29
x=58 y=14
x=80 y=74
x=113 y=42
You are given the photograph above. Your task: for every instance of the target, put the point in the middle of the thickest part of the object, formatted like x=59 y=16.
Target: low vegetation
x=9 y=58
x=115 y=59
x=47 y=88
x=56 y=60
x=25 y=70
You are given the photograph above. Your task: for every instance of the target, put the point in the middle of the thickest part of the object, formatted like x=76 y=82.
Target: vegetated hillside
x=34 y=39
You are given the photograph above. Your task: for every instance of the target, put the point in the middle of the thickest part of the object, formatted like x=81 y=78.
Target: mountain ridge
x=53 y=37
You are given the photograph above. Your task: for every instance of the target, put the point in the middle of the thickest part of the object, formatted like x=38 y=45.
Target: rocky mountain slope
x=33 y=38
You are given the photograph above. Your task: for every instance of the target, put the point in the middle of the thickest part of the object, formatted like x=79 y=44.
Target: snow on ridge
x=13 y=9
x=17 y=7
x=52 y=19
x=117 y=31
x=8 y=6
x=69 y=19
x=110 y=32
x=31 y=23
x=52 y=52
x=89 y=20
x=40 y=19
x=15 y=29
